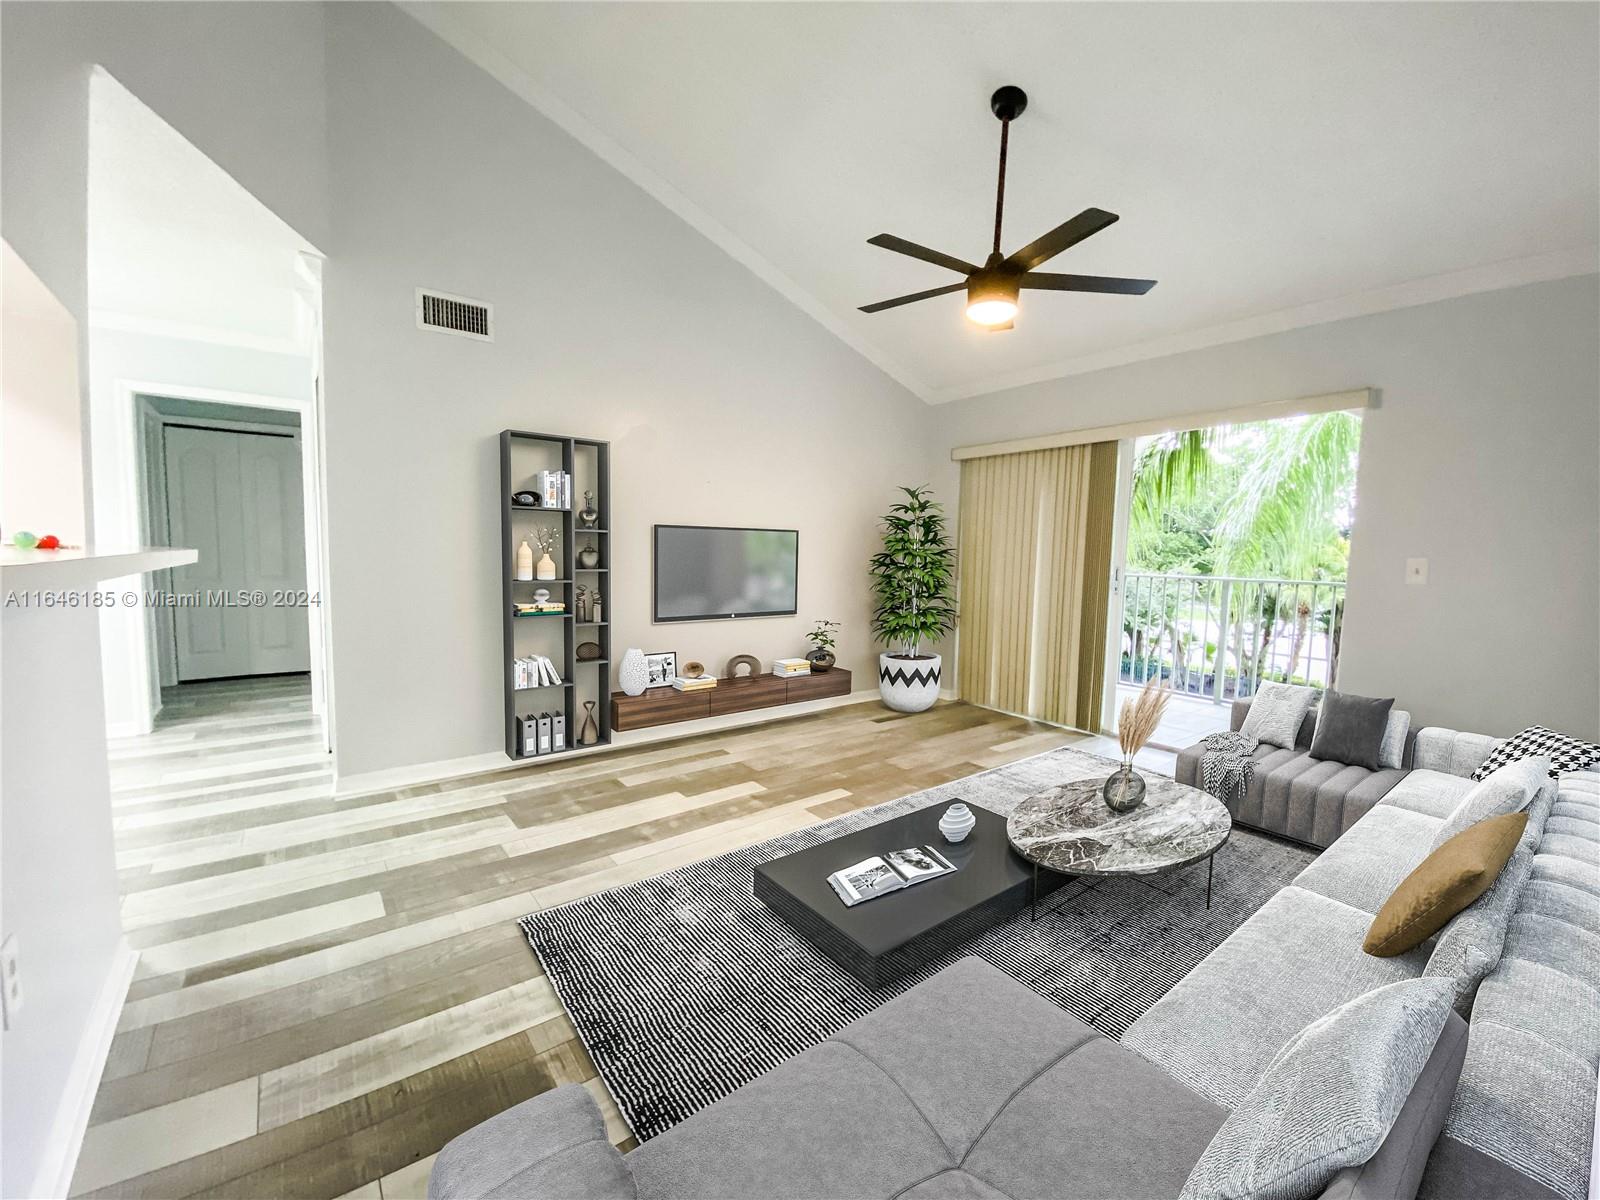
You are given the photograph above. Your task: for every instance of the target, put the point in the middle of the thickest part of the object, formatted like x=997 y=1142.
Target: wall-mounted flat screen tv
x=707 y=572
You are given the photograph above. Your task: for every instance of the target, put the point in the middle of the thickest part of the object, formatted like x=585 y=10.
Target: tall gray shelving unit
x=556 y=635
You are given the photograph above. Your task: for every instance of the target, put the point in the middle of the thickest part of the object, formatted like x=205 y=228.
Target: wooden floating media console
x=665 y=705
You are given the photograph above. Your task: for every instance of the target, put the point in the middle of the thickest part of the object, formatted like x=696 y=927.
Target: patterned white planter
x=909 y=684
x=631 y=673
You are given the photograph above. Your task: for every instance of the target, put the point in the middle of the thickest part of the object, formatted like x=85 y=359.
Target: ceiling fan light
x=991 y=299
x=991 y=312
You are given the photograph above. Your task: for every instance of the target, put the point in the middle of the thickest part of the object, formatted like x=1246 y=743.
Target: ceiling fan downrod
x=1007 y=104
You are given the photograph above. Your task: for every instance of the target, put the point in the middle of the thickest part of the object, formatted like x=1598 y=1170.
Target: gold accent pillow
x=1444 y=883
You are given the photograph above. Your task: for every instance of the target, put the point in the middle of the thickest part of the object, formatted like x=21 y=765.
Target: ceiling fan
x=992 y=288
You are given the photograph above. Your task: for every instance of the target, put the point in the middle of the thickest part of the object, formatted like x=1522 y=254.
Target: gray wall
x=1483 y=456
x=614 y=320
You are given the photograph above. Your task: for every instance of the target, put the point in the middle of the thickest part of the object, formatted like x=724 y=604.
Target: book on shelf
x=788 y=668
x=536 y=606
x=555 y=489
x=694 y=683
x=534 y=671
x=885 y=873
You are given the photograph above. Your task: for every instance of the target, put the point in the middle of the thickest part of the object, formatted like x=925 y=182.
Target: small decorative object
x=693 y=669
x=588 y=651
x=661 y=668
x=589 y=557
x=595 y=615
x=748 y=661
x=580 y=603
x=49 y=542
x=821 y=639
x=1136 y=725
x=524 y=560
x=632 y=675
x=545 y=568
x=912 y=576
x=588 y=516
x=23 y=540
x=957 y=822
x=590 y=733
x=541 y=595
x=525 y=499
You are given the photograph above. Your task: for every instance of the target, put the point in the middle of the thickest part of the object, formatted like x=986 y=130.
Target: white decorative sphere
x=632 y=676
x=957 y=822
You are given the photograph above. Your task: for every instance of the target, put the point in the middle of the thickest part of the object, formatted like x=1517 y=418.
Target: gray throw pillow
x=1350 y=729
x=1328 y=1099
x=1509 y=789
x=1275 y=713
x=1392 y=754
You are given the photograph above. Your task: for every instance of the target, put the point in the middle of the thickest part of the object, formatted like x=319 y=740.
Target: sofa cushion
x=1350 y=729
x=1450 y=878
x=553 y=1145
x=1101 y=1122
x=1363 y=868
x=1434 y=794
x=952 y=1184
x=781 y=1134
x=925 y=1040
x=1297 y=958
x=1450 y=751
x=1507 y=790
x=1566 y=753
x=1328 y=1099
x=1392 y=750
x=1276 y=711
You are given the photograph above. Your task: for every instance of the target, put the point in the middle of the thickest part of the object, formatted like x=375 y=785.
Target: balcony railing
x=1222 y=636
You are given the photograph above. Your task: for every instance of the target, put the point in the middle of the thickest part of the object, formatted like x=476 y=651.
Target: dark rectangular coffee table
x=880 y=939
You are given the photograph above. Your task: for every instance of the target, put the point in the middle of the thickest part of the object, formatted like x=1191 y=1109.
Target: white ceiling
x=176 y=246
x=1274 y=165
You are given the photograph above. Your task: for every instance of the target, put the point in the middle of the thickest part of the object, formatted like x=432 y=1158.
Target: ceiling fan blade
x=1087 y=223
x=914 y=297
x=1049 y=282
x=900 y=246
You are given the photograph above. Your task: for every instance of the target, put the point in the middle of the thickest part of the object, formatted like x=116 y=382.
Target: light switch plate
x=10 y=982
x=1416 y=571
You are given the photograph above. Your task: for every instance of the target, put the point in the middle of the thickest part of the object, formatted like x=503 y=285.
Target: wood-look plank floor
x=329 y=990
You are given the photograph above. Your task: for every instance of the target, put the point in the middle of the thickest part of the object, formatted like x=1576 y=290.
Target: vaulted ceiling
x=1274 y=165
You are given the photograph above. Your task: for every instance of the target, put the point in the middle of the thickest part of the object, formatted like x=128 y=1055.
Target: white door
x=235 y=497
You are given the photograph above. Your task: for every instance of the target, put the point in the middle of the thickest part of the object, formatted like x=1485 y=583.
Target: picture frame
x=660 y=668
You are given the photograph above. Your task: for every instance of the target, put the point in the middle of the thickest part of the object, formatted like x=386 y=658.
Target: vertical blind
x=1034 y=536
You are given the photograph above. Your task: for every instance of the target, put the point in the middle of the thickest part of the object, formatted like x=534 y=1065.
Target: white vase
x=957 y=822
x=546 y=568
x=524 y=561
x=909 y=684
x=631 y=674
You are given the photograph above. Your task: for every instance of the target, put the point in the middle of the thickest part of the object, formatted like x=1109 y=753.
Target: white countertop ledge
x=81 y=567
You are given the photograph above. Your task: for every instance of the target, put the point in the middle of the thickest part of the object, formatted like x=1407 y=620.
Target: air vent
x=444 y=313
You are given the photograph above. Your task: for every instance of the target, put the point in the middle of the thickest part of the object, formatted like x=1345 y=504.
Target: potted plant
x=822 y=643
x=911 y=578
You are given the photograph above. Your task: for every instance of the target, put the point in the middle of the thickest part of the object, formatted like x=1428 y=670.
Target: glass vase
x=1124 y=791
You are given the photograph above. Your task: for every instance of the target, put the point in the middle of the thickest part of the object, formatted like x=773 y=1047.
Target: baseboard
x=494 y=763
x=60 y=1157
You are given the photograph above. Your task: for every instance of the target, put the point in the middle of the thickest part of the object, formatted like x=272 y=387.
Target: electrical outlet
x=1416 y=571
x=10 y=982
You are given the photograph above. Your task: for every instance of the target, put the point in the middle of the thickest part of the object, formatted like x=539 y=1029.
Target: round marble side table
x=1069 y=830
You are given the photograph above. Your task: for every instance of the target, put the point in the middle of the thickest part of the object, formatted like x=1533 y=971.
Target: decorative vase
x=1124 y=791
x=821 y=660
x=546 y=569
x=957 y=822
x=524 y=561
x=909 y=684
x=589 y=557
x=588 y=516
x=590 y=733
x=632 y=675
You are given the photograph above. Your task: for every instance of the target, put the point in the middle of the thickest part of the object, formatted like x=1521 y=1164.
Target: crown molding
x=435 y=17
x=1540 y=268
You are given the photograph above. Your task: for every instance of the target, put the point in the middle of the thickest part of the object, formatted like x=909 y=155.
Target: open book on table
x=884 y=873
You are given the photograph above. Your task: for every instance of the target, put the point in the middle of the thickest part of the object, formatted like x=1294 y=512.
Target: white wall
x=614 y=320
x=1483 y=456
x=43 y=429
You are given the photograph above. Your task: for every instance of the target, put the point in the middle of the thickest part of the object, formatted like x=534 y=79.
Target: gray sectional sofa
x=972 y=1087
x=1294 y=795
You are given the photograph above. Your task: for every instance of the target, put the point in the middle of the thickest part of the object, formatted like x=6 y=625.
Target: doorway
x=1234 y=542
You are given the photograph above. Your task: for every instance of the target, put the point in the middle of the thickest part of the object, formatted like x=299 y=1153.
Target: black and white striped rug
x=685 y=986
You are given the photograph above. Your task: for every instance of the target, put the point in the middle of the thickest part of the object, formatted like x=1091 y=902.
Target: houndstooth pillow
x=1565 y=753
